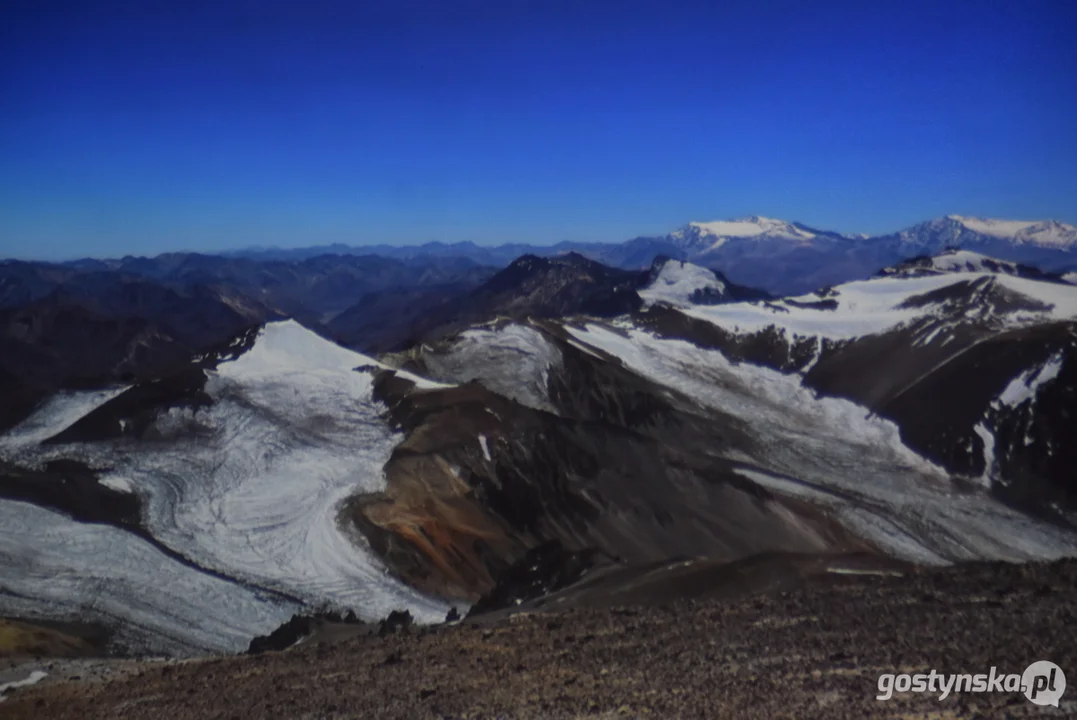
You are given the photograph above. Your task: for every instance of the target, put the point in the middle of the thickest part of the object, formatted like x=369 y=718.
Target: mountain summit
x=749 y=227
x=704 y=237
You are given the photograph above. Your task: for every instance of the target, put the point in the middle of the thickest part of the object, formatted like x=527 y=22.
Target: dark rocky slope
x=480 y=479
x=386 y=320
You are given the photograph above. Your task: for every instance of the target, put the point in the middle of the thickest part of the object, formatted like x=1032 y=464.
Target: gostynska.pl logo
x=1042 y=682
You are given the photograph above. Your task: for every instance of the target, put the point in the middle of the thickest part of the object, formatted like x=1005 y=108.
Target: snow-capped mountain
x=773 y=255
x=705 y=237
x=994 y=299
x=680 y=283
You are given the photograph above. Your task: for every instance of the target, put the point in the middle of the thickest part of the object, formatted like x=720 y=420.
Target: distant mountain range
x=775 y=255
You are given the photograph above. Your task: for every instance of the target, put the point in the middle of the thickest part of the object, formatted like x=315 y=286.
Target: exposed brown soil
x=815 y=651
x=22 y=639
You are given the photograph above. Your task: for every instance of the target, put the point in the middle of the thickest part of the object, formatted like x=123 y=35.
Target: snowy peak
x=750 y=227
x=682 y=284
x=284 y=348
x=287 y=346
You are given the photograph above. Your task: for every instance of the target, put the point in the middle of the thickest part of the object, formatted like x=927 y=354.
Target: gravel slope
x=813 y=652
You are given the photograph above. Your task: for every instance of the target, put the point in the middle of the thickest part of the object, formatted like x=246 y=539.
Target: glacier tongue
x=54 y=567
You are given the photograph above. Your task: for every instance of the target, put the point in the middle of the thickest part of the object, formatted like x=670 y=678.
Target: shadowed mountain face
x=313 y=289
x=539 y=287
x=387 y=320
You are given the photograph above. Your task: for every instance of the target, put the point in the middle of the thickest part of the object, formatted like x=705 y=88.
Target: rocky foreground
x=814 y=651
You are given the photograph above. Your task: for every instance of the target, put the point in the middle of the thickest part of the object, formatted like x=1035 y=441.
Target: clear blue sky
x=147 y=125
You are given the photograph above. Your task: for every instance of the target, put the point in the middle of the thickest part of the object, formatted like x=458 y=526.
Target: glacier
x=249 y=488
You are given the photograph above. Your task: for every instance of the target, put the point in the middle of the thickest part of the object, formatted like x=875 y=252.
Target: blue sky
x=140 y=127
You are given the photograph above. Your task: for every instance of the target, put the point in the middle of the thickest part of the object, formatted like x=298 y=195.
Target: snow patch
x=1026 y=385
x=117 y=482
x=513 y=360
x=35 y=677
x=286 y=347
x=816 y=354
x=485 y=448
x=99 y=572
x=863 y=308
x=752 y=392
x=988 y=439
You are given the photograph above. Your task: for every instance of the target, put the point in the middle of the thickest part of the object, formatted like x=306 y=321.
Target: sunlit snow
x=35 y=677
x=878 y=305
x=678 y=281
